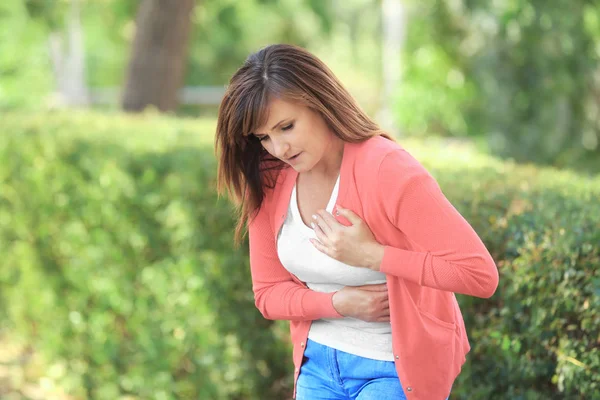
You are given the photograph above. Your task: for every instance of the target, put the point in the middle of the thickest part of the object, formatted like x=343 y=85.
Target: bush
x=119 y=265
x=118 y=261
x=539 y=335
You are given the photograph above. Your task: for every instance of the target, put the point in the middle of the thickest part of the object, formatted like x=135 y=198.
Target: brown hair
x=293 y=74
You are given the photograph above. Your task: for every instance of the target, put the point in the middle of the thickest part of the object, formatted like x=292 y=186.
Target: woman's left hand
x=353 y=245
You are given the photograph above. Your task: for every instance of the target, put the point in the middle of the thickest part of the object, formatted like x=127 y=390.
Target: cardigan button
x=409 y=389
x=397 y=357
x=302 y=344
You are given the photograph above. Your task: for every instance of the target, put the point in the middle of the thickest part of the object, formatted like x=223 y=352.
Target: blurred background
x=118 y=274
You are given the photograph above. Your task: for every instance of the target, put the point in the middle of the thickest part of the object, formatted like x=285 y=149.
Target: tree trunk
x=159 y=54
x=68 y=60
x=394 y=20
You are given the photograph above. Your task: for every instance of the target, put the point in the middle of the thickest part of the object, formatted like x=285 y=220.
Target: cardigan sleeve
x=450 y=255
x=276 y=294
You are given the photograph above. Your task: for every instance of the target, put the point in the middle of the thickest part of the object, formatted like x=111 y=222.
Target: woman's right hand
x=368 y=302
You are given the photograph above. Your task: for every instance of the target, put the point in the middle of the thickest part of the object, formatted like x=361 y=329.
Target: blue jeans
x=330 y=374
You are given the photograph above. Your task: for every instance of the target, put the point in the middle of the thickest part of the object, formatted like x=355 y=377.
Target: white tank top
x=325 y=274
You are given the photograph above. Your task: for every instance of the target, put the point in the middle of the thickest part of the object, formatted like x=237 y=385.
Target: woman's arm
x=452 y=256
x=276 y=295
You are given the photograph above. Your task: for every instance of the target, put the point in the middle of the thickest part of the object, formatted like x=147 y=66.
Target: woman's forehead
x=276 y=111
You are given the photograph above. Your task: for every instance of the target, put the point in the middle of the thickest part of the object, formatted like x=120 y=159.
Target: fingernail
x=314 y=217
x=312 y=224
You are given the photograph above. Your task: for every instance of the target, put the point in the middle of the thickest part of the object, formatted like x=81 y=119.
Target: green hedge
x=539 y=336
x=118 y=264
x=117 y=260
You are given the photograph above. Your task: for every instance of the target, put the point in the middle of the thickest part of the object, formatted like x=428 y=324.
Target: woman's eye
x=263 y=138
x=287 y=127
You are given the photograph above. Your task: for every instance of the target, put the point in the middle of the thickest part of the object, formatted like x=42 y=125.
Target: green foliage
x=25 y=68
x=222 y=36
x=118 y=264
x=539 y=335
x=227 y=31
x=48 y=12
x=536 y=73
x=118 y=261
x=522 y=73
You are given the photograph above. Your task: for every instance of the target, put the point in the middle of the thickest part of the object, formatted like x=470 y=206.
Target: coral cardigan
x=431 y=252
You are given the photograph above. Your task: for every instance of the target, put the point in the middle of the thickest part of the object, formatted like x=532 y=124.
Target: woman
x=351 y=239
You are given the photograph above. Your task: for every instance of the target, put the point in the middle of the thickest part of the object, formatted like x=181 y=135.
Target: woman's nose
x=280 y=148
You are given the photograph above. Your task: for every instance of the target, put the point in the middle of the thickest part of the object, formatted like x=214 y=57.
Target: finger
x=377 y=286
x=383 y=319
x=321 y=222
x=322 y=236
x=331 y=221
x=349 y=214
x=380 y=287
x=323 y=249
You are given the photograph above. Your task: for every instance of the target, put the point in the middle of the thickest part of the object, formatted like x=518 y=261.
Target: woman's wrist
x=375 y=256
x=335 y=302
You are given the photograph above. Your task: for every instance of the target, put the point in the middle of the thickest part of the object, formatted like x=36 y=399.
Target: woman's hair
x=292 y=74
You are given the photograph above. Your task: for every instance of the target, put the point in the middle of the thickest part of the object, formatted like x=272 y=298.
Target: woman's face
x=295 y=134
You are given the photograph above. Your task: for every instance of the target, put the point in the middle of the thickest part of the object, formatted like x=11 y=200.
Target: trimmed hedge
x=117 y=260
x=539 y=335
x=118 y=265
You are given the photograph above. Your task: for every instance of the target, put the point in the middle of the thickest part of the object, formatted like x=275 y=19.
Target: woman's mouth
x=292 y=159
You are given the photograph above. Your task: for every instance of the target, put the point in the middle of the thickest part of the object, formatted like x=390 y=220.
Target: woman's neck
x=329 y=166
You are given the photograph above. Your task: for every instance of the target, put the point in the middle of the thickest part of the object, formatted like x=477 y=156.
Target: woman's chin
x=298 y=168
